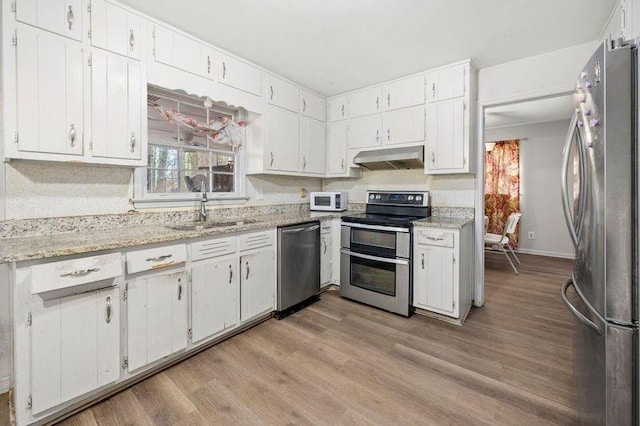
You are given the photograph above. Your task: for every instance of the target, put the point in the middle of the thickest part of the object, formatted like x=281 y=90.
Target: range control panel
x=417 y=198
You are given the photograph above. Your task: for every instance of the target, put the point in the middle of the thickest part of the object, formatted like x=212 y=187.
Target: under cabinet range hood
x=391 y=159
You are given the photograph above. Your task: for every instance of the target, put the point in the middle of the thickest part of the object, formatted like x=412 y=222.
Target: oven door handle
x=375 y=258
x=375 y=227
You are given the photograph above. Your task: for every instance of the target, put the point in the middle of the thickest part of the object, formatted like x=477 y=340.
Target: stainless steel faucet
x=202 y=214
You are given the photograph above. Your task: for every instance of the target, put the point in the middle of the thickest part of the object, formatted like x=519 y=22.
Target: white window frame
x=145 y=200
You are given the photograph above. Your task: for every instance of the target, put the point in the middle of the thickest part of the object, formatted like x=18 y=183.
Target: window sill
x=160 y=203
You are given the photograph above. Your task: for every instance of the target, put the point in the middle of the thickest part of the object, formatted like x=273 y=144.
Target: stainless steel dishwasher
x=298 y=265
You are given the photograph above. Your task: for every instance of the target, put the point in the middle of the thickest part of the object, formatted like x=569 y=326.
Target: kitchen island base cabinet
x=257 y=286
x=156 y=317
x=442 y=266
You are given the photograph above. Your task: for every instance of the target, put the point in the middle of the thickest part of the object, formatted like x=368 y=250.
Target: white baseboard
x=546 y=253
x=5 y=384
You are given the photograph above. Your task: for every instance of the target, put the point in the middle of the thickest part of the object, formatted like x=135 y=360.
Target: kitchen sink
x=201 y=225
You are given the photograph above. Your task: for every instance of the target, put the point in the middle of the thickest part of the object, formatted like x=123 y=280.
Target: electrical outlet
x=532 y=235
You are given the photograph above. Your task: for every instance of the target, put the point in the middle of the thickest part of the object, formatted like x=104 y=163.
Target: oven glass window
x=322 y=201
x=373 y=275
x=379 y=239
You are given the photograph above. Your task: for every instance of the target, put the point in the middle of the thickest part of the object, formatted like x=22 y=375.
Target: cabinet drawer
x=155 y=258
x=255 y=240
x=213 y=248
x=436 y=237
x=69 y=273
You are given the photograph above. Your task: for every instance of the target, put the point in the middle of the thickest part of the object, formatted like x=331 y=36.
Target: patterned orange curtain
x=502 y=185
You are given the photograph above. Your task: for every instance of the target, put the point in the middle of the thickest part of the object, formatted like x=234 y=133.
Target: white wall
x=446 y=191
x=540 y=203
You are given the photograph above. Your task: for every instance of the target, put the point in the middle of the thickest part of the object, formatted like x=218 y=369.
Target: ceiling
x=333 y=46
x=538 y=111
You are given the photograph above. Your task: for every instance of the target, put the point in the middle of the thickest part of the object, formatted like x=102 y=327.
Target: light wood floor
x=339 y=362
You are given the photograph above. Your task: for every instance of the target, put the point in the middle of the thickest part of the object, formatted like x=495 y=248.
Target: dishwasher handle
x=296 y=230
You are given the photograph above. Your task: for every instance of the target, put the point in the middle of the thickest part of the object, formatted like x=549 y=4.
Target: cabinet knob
x=72 y=134
x=132 y=40
x=70 y=17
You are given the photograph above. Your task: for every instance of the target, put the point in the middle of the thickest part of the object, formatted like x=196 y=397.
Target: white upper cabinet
x=447 y=147
x=283 y=139
x=50 y=93
x=405 y=125
x=404 y=93
x=446 y=83
x=338 y=108
x=313 y=106
x=282 y=93
x=365 y=102
x=116 y=113
x=365 y=132
x=176 y=50
x=116 y=30
x=238 y=74
x=337 y=148
x=312 y=146
x=62 y=17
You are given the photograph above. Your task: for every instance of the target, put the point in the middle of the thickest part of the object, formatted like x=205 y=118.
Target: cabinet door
x=176 y=50
x=156 y=318
x=446 y=83
x=435 y=279
x=365 y=132
x=325 y=258
x=313 y=106
x=62 y=17
x=238 y=74
x=338 y=108
x=114 y=29
x=337 y=149
x=283 y=139
x=365 y=102
x=404 y=93
x=404 y=125
x=257 y=283
x=214 y=303
x=313 y=146
x=49 y=93
x=116 y=116
x=446 y=139
x=282 y=94
x=75 y=346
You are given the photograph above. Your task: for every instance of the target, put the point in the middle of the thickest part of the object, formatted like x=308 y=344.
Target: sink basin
x=201 y=225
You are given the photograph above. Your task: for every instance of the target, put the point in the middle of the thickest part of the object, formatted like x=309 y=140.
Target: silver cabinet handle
x=133 y=141
x=271 y=90
x=230 y=274
x=70 y=17
x=158 y=258
x=247 y=265
x=422 y=260
x=224 y=70
x=271 y=164
x=208 y=64
x=433 y=90
x=304 y=105
x=388 y=134
x=304 y=162
x=108 y=310
x=325 y=246
x=79 y=272
x=72 y=132
x=342 y=110
x=388 y=99
x=342 y=164
x=583 y=319
x=132 y=40
x=179 y=288
x=377 y=102
x=435 y=238
x=377 y=135
x=433 y=158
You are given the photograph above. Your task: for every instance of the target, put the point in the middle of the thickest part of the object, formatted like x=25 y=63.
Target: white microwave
x=332 y=201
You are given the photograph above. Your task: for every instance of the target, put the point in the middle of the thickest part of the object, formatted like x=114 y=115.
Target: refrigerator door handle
x=574 y=231
x=576 y=313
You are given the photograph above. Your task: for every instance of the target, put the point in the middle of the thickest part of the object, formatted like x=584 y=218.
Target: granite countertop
x=20 y=249
x=442 y=222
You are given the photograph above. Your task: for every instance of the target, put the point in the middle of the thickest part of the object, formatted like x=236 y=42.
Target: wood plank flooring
x=339 y=362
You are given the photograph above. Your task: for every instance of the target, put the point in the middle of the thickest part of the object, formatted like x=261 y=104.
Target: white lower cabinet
x=442 y=266
x=214 y=300
x=257 y=284
x=156 y=317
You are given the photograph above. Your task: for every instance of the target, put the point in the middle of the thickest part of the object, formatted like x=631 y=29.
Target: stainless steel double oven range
x=376 y=250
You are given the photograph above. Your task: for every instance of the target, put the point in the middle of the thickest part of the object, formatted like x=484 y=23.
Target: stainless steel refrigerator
x=600 y=200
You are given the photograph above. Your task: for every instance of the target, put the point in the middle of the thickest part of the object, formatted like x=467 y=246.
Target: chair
x=494 y=241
